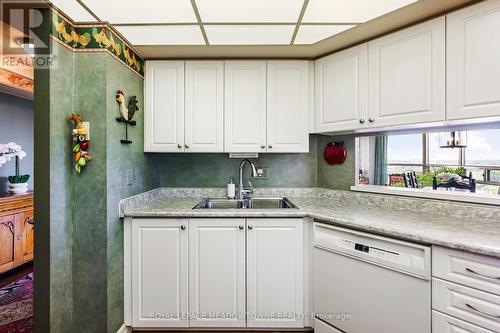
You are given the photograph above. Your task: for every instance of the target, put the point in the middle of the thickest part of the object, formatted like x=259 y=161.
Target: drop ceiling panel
x=163 y=35
x=249 y=10
x=310 y=34
x=249 y=34
x=74 y=10
x=143 y=11
x=342 y=11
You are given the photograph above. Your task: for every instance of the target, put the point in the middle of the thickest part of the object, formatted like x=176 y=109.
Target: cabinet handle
x=183 y=227
x=262 y=146
x=186 y=145
x=179 y=146
x=250 y=227
x=480 y=274
x=29 y=220
x=482 y=312
x=10 y=225
x=361 y=121
x=241 y=227
x=270 y=146
x=371 y=120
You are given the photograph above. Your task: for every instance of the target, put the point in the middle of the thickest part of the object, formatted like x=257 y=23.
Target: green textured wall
x=122 y=159
x=214 y=170
x=338 y=177
x=61 y=194
x=86 y=233
x=89 y=195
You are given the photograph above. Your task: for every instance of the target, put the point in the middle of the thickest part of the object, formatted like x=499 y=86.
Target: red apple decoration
x=84 y=145
x=335 y=153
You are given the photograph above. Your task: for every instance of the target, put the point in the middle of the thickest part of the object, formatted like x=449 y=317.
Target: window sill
x=476 y=198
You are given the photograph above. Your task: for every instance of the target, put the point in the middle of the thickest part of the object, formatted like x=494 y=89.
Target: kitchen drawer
x=322 y=327
x=442 y=323
x=472 y=270
x=473 y=306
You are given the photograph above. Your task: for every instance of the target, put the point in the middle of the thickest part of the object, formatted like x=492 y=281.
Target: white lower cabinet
x=275 y=280
x=159 y=273
x=217 y=272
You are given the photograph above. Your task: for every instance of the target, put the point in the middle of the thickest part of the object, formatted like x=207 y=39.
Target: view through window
x=428 y=161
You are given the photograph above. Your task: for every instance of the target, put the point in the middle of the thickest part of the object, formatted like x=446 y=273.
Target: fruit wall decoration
x=126 y=113
x=80 y=136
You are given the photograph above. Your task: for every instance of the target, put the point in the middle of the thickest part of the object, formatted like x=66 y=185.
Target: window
x=421 y=153
x=483 y=148
x=404 y=149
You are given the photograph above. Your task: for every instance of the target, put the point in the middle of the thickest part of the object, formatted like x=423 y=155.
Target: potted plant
x=18 y=184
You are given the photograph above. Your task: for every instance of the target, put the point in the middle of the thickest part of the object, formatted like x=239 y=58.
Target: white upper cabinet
x=473 y=61
x=407 y=76
x=245 y=106
x=217 y=272
x=159 y=272
x=275 y=272
x=341 y=90
x=287 y=106
x=204 y=116
x=164 y=106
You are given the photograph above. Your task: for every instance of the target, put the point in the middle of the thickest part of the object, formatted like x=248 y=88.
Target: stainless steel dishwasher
x=365 y=283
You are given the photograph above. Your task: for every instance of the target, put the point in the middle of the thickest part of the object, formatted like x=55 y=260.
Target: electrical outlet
x=130 y=176
x=263 y=173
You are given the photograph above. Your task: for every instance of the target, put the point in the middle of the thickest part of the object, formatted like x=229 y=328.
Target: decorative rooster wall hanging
x=126 y=113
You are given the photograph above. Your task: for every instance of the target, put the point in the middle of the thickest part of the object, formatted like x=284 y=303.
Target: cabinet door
x=204 y=117
x=245 y=106
x=407 y=76
x=27 y=225
x=164 y=106
x=7 y=242
x=159 y=273
x=275 y=273
x=473 y=66
x=342 y=90
x=217 y=272
x=287 y=106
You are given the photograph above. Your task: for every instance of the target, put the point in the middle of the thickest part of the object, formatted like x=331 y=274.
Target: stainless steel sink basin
x=255 y=203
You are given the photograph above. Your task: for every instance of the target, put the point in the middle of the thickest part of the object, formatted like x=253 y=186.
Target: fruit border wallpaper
x=95 y=37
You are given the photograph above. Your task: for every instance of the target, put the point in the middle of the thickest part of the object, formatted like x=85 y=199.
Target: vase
x=18 y=188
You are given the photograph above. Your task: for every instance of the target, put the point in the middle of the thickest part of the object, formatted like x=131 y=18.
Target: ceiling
x=249 y=28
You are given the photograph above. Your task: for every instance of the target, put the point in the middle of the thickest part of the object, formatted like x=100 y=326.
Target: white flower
x=21 y=154
x=3 y=159
x=14 y=147
x=3 y=148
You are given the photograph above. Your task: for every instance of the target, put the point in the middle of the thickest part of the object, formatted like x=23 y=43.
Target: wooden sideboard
x=16 y=230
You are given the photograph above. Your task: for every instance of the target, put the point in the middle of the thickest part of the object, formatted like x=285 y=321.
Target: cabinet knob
x=179 y=146
x=241 y=227
x=250 y=227
x=19 y=237
x=371 y=120
x=183 y=227
x=262 y=146
x=361 y=121
x=270 y=146
x=186 y=145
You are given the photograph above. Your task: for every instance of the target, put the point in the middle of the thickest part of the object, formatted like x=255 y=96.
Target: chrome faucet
x=246 y=193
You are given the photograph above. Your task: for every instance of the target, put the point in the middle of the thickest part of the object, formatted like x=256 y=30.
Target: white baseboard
x=125 y=329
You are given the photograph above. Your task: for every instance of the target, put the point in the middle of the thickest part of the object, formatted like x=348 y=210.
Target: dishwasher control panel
x=379 y=250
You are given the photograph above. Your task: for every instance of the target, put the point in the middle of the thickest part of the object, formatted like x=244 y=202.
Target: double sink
x=253 y=203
